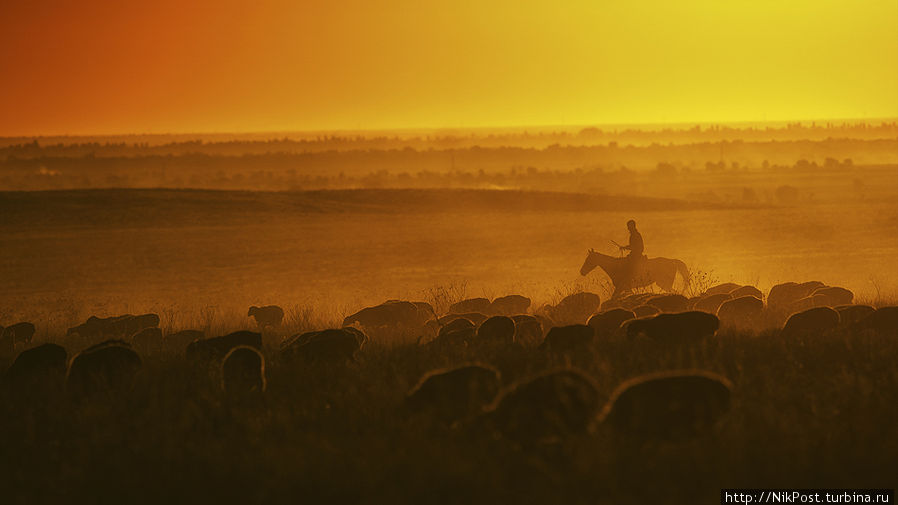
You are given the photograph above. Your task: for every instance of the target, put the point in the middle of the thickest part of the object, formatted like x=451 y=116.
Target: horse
x=626 y=276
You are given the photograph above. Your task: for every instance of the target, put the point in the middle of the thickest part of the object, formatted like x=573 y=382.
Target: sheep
x=330 y=346
x=470 y=305
x=109 y=367
x=450 y=395
x=884 y=321
x=509 y=305
x=147 y=341
x=726 y=288
x=742 y=312
x=681 y=328
x=242 y=371
x=851 y=314
x=267 y=316
x=37 y=371
x=668 y=303
x=564 y=339
x=646 y=311
x=575 y=308
x=606 y=324
x=747 y=291
x=671 y=405
x=206 y=351
x=816 y=320
x=833 y=295
x=528 y=331
x=19 y=333
x=711 y=303
x=545 y=409
x=497 y=329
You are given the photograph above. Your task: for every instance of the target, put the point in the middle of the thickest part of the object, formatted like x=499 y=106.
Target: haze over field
x=446 y=252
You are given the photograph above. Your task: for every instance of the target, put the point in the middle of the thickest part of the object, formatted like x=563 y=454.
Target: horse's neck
x=603 y=259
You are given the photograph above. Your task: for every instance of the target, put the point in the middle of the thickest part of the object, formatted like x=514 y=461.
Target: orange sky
x=82 y=67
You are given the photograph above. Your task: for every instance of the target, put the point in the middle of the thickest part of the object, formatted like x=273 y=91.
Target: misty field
x=70 y=254
x=806 y=412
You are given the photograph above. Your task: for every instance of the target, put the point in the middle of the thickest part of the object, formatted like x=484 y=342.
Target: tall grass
x=812 y=412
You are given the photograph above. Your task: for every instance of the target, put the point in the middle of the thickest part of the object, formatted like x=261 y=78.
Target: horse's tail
x=681 y=267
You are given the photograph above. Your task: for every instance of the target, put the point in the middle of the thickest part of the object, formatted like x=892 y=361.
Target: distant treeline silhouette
x=752 y=168
x=233 y=145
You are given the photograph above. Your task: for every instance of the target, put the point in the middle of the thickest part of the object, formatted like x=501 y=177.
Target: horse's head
x=590 y=263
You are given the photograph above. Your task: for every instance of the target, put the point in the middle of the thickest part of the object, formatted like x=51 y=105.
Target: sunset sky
x=93 y=67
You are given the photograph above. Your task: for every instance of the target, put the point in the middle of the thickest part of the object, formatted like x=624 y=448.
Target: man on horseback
x=636 y=245
x=635 y=270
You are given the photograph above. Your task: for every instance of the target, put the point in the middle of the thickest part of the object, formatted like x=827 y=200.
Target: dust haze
x=459 y=316
x=129 y=223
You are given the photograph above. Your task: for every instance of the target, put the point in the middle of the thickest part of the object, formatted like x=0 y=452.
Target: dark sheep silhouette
x=391 y=314
x=360 y=336
x=646 y=311
x=116 y=326
x=782 y=296
x=832 y=296
x=671 y=405
x=817 y=320
x=425 y=309
x=711 y=303
x=16 y=334
x=460 y=336
x=884 y=321
x=37 y=370
x=680 y=328
x=451 y=395
x=327 y=346
x=808 y=302
x=668 y=303
x=509 y=305
x=546 y=409
x=497 y=330
x=572 y=338
x=725 y=288
x=243 y=371
x=635 y=300
x=460 y=323
x=851 y=314
x=481 y=305
x=608 y=323
x=747 y=291
x=528 y=330
x=475 y=317
x=575 y=308
x=742 y=312
x=147 y=341
x=176 y=343
x=209 y=350
x=269 y=315
x=110 y=367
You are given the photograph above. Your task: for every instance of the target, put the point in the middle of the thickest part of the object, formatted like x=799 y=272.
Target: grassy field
x=815 y=412
x=807 y=413
x=70 y=254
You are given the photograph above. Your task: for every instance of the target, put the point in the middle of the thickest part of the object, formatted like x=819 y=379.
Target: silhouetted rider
x=636 y=246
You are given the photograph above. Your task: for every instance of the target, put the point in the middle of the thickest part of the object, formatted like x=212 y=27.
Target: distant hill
x=146 y=207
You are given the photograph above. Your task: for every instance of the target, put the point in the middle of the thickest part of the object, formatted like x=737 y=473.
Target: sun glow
x=112 y=67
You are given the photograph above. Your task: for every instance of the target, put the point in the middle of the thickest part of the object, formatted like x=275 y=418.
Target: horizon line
x=484 y=128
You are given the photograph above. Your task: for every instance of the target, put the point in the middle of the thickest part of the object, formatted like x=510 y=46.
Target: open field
x=67 y=255
x=815 y=411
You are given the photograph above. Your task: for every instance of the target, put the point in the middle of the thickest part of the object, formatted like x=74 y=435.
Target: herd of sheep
x=668 y=404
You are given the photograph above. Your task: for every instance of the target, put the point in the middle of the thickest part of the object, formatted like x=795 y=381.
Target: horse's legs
x=665 y=280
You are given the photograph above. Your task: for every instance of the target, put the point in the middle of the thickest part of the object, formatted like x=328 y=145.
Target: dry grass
x=807 y=413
